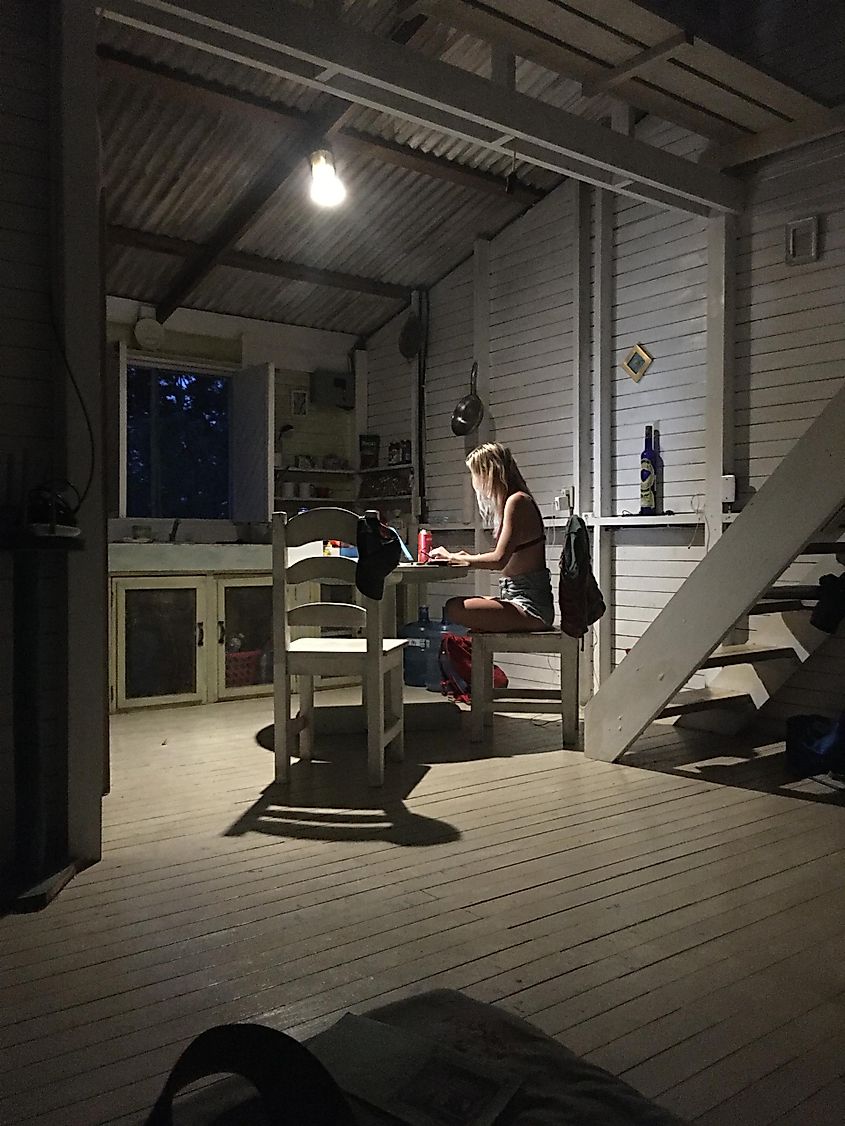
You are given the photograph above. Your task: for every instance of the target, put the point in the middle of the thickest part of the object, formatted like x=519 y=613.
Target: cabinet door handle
x=221 y=633
x=200 y=634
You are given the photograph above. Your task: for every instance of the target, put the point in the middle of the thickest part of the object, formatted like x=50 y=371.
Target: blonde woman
x=525 y=590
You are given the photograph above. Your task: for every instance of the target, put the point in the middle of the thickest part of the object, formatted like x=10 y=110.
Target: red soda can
x=423 y=546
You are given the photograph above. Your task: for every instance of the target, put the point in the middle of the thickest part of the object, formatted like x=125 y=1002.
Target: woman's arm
x=498 y=558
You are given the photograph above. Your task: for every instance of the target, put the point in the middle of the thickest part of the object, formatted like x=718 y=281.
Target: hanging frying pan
x=467 y=415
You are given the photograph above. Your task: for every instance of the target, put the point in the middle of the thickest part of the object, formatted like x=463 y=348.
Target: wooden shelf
x=685 y=519
x=317 y=474
x=385 y=468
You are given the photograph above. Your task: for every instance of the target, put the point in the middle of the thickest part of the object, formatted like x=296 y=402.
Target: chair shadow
x=330 y=799
x=750 y=761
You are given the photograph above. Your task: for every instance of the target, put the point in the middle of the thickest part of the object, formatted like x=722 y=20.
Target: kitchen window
x=177 y=443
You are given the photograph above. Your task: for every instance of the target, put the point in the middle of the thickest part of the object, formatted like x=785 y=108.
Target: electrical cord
x=92 y=445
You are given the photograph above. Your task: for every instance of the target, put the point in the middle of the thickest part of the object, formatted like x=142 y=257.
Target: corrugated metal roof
x=228 y=290
x=395 y=225
x=176 y=168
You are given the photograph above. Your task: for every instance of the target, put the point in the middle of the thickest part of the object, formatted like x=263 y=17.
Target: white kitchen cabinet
x=190 y=639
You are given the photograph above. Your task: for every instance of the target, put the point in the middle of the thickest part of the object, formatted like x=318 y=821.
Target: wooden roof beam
x=668 y=49
x=779 y=138
x=255 y=264
x=291 y=42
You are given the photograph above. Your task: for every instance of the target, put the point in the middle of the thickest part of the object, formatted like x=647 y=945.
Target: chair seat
x=540 y=641
x=329 y=655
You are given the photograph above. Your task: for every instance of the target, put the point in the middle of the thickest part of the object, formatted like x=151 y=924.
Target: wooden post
x=481 y=356
x=80 y=315
x=602 y=406
x=721 y=319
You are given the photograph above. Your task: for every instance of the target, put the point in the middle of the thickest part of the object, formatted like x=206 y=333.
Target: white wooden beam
x=790 y=135
x=581 y=350
x=637 y=64
x=481 y=356
x=291 y=42
x=720 y=409
x=602 y=407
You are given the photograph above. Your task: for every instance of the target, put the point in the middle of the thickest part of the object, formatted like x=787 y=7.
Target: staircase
x=735 y=585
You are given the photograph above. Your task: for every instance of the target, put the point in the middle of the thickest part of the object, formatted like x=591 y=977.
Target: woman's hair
x=496 y=469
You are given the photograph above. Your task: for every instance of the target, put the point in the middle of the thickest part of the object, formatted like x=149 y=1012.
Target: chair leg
x=375 y=725
x=397 y=711
x=306 y=710
x=281 y=729
x=482 y=685
x=569 y=692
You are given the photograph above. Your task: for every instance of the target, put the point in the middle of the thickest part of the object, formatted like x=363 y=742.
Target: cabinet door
x=244 y=636
x=160 y=640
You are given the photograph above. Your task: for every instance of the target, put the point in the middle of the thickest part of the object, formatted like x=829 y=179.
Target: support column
x=721 y=321
x=602 y=407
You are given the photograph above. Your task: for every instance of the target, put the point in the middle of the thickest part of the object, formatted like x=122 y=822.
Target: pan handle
x=473 y=379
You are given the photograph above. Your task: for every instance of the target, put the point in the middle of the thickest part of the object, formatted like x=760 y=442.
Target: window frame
x=214 y=369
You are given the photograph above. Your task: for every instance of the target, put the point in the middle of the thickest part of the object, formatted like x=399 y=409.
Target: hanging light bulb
x=327 y=188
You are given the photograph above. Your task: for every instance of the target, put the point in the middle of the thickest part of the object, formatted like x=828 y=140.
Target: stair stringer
x=802 y=494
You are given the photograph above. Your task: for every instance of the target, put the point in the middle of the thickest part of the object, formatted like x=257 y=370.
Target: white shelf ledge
x=689 y=519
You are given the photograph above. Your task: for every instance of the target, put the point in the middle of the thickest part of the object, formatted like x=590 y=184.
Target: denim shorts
x=532 y=593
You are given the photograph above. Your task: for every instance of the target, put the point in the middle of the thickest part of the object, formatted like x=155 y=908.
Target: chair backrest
x=316 y=526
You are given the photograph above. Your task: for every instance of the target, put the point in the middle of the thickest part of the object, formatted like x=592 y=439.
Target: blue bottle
x=423 y=638
x=648 y=476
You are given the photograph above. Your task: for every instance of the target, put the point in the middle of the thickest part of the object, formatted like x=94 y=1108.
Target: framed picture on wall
x=298 y=402
x=636 y=363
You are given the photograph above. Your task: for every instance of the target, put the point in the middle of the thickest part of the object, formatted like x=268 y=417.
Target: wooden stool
x=486 y=700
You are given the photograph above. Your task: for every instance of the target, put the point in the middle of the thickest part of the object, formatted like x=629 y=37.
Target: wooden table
x=417 y=574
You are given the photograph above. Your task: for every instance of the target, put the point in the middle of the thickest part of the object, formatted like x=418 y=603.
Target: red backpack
x=456 y=667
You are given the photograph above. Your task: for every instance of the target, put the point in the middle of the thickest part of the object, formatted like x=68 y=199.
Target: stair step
x=701 y=699
x=747 y=655
x=777 y=606
x=804 y=592
x=822 y=547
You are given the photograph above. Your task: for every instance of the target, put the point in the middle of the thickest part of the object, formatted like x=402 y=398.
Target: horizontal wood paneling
x=659 y=273
x=389 y=386
x=790 y=352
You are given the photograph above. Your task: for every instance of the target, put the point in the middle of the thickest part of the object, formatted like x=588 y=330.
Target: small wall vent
x=802 y=240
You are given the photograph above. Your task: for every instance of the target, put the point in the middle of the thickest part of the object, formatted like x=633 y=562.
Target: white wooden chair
x=370 y=655
x=486 y=700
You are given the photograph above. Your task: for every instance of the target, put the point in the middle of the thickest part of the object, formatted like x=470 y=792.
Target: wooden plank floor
x=685 y=934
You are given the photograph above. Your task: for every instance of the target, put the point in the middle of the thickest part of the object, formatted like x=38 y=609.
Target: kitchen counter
x=176 y=558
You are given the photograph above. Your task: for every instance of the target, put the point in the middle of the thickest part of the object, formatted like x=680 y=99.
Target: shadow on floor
x=748 y=761
x=330 y=799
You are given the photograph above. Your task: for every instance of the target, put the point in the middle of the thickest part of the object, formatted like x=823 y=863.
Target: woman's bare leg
x=489 y=615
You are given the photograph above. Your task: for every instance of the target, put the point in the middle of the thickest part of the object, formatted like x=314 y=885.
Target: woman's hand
x=441 y=553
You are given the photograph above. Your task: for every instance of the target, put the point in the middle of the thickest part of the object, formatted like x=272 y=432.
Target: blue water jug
x=422 y=653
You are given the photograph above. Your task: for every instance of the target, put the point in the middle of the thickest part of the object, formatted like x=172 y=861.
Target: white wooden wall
x=531 y=344
x=450 y=356
x=659 y=273
x=389 y=387
x=790 y=348
x=26 y=378
x=659 y=280
x=790 y=360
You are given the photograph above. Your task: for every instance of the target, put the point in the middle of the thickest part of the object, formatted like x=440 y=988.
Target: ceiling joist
x=253 y=263
x=291 y=42
x=791 y=135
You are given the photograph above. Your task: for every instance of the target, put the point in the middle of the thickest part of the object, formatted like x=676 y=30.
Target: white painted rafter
x=291 y=42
